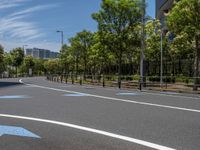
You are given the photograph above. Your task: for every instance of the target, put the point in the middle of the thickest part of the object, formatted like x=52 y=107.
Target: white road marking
x=101 y=132
x=172 y=94
x=121 y=100
x=169 y=95
x=145 y=92
x=20 y=81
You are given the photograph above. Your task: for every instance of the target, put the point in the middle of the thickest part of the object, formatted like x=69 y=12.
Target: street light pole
x=161 y=59
x=62 y=41
x=142 y=45
x=24 y=47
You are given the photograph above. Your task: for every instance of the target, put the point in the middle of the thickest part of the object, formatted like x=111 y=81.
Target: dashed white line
x=118 y=99
x=92 y=130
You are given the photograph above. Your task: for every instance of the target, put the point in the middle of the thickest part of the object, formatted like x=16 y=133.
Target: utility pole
x=161 y=59
x=142 y=44
x=24 y=47
x=62 y=41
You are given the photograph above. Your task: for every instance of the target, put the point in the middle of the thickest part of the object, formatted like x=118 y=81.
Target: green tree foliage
x=29 y=63
x=180 y=47
x=52 y=66
x=17 y=55
x=65 y=59
x=1 y=59
x=8 y=63
x=117 y=20
x=38 y=66
x=7 y=59
x=153 y=40
x=99 y=55
x=76 y=52
x=184 y=19
x=81 y=45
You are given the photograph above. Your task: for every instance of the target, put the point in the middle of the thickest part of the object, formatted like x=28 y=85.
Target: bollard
x=72 y=79
x=61 y=79
x=140 y=86
x=103 y=82
x=66 y=80
x=81 y=81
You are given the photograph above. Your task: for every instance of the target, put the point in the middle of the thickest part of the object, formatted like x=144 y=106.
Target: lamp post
x=24 y=47
x=161 y=58
x=61 y=36
x=142 y=45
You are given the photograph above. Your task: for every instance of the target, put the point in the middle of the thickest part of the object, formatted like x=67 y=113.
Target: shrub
x=136 y=77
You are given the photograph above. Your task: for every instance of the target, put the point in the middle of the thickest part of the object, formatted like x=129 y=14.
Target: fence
x=170 y=83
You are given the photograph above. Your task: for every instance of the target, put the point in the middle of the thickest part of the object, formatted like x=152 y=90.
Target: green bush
x=136 y=77
x=129 y=78
x=165 y=79
x=186 y=80
x=154 y=79
x=169 y=79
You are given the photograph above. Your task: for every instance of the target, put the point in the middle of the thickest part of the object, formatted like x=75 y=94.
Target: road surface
x=36 y=114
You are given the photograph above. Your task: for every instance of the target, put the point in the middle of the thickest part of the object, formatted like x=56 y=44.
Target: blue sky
x=34 y=22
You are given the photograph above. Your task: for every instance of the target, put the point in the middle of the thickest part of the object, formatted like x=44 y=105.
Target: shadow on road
x=4 y=84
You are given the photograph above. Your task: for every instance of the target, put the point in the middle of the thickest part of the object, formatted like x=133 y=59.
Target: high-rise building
x=29 y=52
x=36 y=53
x=162 y=8
x=41 y=53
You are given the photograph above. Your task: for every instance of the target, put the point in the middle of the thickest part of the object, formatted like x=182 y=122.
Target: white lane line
x=101 y=132
x=158 y=94
x=145 y=92
x=20 y=81
x=121 y=100
x=175 y=96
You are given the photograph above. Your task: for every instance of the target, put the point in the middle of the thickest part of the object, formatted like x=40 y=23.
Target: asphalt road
x=73 y=117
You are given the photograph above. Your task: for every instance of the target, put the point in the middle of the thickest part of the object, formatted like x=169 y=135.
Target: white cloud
x=4 y=4
x=15 y=30
x=33 y=9
x=15 y=26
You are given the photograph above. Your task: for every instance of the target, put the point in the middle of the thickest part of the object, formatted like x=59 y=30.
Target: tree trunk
x=85 y=68
x=173 y=67
x=16 y=72
x=196 y=64
x=179 y=66
x=119 y=69
x=76 y=68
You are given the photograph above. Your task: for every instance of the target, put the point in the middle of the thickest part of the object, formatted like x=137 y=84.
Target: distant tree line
x=15 y=63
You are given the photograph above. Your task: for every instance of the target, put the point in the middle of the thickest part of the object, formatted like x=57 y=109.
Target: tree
x=17 y=57
x=153 y=44
x=38 y=66
x=52 y=66
x=82 y=42
x=8 y=63
x=29 y=63
x=76 y=51
x=117 y=19
x=153 y=36
x=99 y=56
x=184 y=18
x=1 y=59
x=181 y=49
x=63 y=58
